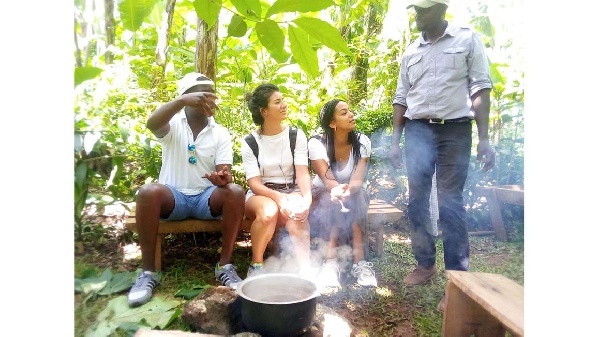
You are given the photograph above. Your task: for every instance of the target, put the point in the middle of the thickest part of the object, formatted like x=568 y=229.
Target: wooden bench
x=495 y=196
x=379 y=213
x=482 y=304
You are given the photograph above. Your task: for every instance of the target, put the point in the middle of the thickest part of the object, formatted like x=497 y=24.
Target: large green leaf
x=106 y=284
x=118 y=283
x=189 y=293
x=248 y=8
x=302 y=6
x=80 y=173
x=134 y=12
x=93 y=284
x=323 y=32
x=158 y=313
x=86 y=73
x=237 y=26
x=303 y=52
x=271 y=37
x=208 y=10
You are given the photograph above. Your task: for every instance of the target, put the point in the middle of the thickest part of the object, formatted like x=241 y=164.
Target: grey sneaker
x=227 y=275
x=363 y=271
x=141 y=292
x=329 y=275
x=254 y=270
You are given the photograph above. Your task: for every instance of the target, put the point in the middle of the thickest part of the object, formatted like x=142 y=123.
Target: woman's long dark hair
x=326 y=115
x=258 y=99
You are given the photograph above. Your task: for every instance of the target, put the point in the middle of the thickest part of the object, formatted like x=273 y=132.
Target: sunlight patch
x=396 y=238
x=132 y=251
x=335 y=326
x=245 y=244
x=383 y=291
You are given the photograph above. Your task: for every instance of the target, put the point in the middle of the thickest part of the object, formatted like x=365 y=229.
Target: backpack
x=251 y=141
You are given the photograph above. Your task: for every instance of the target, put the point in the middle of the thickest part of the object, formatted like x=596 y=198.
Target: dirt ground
x=109 y=250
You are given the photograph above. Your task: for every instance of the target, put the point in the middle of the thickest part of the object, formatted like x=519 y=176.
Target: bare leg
x=332 y=244
x=264 y=213
x=357 y=243
x=228 y=201
x=300 y=237
x=153 y=200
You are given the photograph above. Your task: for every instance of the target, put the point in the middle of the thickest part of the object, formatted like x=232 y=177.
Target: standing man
x=194 y=181
x=444 y=84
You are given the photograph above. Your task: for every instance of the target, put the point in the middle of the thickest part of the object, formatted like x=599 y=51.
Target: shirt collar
x=450 y=30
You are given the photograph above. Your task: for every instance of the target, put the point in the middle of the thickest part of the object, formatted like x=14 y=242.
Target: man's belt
x=288 y=186
x=444 y=121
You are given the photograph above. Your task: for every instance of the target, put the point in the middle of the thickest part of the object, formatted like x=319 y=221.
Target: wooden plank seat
x=496 y=196
x=482 y=304
x=379 y=213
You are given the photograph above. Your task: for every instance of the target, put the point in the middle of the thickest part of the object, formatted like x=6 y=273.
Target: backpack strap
x=293 y=135
x=251 y=141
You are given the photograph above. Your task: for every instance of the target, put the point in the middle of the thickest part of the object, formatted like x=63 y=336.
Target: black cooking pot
x=278 y=304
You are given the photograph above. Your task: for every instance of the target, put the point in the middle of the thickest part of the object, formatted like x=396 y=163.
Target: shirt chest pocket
x=206 y=153
x=414 y=68
x=455 y=58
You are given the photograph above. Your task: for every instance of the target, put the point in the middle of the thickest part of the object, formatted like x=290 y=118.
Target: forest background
x=55 y=84
x=129 y=57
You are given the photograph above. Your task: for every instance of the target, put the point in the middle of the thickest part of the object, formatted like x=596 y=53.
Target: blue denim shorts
x=192 y=206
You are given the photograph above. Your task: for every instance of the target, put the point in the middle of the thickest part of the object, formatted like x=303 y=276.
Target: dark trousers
x=445 y=149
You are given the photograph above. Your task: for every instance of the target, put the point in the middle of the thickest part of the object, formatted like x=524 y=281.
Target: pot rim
x=240 y=287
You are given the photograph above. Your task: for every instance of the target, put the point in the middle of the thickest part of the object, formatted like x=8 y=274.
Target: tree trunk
x=109 y=25
x=358 y=88
x=78 y=61
x=164 y=35
x=206 y=49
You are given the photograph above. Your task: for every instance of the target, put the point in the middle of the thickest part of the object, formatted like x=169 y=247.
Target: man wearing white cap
x=194 y=180
x=443 y=85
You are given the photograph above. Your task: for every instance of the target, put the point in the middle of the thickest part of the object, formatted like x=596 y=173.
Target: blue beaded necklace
x=192 y=148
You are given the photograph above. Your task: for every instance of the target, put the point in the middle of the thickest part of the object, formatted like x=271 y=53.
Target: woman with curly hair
x=278 y=178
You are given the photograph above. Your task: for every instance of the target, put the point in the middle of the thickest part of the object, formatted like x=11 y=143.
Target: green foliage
x=191 y=292
x=115 y=154
x=323 y=32
x=303 y=52
x=248 y=8
x=106 y=284
x=85 y=73
x=281 y=6
x=134 y=12
x=158 y=313
x=237 y=26
x=208 y=10
x=272 y=38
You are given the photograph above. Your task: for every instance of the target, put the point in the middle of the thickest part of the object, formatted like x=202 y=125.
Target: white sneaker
x=329 y=275
x=141 y=291
x=227 y=275
x=363 y=271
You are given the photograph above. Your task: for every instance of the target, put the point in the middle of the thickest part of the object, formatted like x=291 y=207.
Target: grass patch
x=388 y=310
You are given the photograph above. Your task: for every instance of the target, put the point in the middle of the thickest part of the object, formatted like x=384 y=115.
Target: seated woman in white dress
x=339 y=158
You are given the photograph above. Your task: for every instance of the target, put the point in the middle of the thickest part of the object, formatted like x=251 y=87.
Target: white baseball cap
x=192 y=79
x=426 y=3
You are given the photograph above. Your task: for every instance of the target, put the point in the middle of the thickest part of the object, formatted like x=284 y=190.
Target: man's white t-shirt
x=213 y=147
